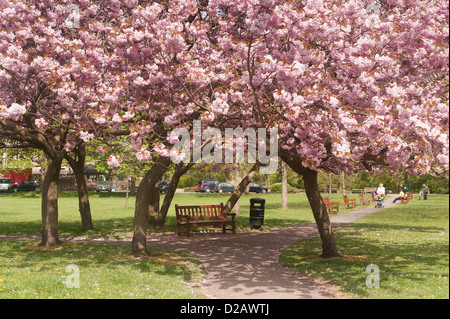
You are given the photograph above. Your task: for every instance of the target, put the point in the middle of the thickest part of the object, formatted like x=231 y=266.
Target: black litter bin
x=257 y=212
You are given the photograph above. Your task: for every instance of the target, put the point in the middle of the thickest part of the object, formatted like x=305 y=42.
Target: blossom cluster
x=349 y=85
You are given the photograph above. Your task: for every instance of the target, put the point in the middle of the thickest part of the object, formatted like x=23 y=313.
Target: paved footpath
x=246 y=265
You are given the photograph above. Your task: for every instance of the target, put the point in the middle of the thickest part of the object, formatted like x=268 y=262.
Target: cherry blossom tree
x=351 y=85
x=51 y=85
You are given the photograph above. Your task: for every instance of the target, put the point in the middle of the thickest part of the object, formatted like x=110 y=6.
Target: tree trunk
x=179 y=171
x=329 y=247
x=127 y=191
x=329 y=188
x=241 y=188
x=237 y=179
x=132 y=186
x=49 y=207
x=83 y=200
x=147 y=204
x=343 y=183
x=284 y=190
x=82 y=188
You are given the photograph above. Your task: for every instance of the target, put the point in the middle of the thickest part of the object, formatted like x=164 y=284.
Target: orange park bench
x=373 y=196
x=332 y=207
x=405 y=199
x=203 y=215
x=349 y=203
x=364 y=200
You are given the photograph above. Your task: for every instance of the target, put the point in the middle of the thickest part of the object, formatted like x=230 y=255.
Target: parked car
x=103 y=186
x=207 y=185
x=163 y=186
x=225 y=188
x=6 y=184
x=257 y=188
x=26 y=186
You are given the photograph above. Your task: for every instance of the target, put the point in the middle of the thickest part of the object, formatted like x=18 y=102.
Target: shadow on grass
x=28 y=255
x=102 y=227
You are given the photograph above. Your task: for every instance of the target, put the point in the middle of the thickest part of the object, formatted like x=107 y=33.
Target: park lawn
x=104 y=271
x=409 y=244
x=20 y=214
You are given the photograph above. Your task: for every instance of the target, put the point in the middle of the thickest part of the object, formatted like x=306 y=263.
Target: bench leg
x=188 y=230
x=224 y=228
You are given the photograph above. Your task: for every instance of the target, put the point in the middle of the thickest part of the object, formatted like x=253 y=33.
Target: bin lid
x=257 y=200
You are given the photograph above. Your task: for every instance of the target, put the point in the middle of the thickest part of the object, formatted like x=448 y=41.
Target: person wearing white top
x=381 y=191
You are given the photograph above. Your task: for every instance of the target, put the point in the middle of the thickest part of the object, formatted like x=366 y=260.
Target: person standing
x=380 y=192
x=425 y=191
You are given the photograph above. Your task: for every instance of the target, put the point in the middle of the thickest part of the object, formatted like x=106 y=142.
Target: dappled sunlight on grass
x=409 y=243
x=105 y=271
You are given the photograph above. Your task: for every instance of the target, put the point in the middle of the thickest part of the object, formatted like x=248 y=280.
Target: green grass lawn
x=408 y=243
x=20 y=214
x=104 y=271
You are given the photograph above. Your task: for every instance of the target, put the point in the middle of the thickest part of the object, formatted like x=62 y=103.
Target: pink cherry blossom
x=143 y=155
x=114 y=160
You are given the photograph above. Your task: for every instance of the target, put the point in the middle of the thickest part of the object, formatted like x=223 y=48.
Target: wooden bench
x=364 y=200
x=349 y=203
x=405 y=199
x=203 y=215
x=332 y=207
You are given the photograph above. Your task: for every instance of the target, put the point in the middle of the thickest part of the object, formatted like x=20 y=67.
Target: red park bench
x=364 y=200
x=349 y=203
x=406 y=199
x=332 y=207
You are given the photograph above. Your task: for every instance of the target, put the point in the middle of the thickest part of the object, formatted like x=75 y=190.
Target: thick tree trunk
x=240 y=189
x=147 y=204
x=82 y=188
x=49 y=207
x=329 y=247
x=179 y=171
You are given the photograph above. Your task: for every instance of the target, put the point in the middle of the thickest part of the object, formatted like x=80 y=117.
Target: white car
x=6 y=184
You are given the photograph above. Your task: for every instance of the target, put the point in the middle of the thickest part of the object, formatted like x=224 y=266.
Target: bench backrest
x=201 y=212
